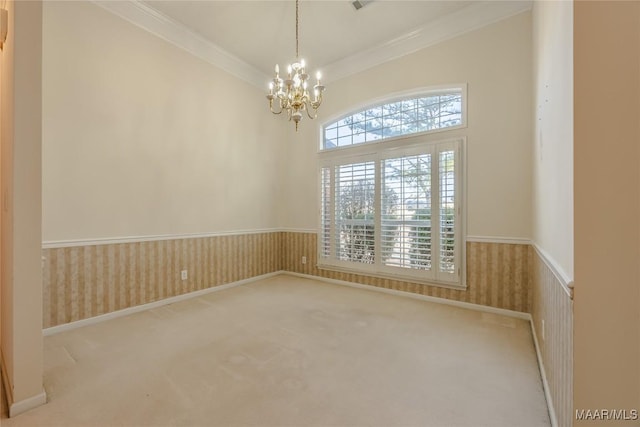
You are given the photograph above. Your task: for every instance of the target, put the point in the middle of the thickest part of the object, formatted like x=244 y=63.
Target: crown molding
x=470 y=18
x=181 y=36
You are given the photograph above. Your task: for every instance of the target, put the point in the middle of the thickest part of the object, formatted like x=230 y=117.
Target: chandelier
x=292 y=93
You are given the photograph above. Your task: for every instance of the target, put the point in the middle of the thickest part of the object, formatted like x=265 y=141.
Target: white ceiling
x=263 y=32
x=247 y=38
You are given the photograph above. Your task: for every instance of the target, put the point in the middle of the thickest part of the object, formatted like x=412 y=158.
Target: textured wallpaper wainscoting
x=85 y=281
x=553 y=304
x=497 y=273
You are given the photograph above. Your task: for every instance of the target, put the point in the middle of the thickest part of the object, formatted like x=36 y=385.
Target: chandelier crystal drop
x=292 y=94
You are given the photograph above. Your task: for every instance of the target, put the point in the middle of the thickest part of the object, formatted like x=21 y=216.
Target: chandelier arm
x=315 y=114
x=276 y=112
x=271 y=107
x=317 y=101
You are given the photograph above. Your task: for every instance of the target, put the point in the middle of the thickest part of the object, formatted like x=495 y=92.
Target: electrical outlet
x=542 y=329
x=184 y=275
x=304 y=259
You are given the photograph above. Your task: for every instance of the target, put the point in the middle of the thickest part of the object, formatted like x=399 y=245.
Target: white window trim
x=377 y=153
x=358 y=152
x=395 y=97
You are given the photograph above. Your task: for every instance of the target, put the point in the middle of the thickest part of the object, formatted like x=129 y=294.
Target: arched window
x=394 y=208
x=426 y=112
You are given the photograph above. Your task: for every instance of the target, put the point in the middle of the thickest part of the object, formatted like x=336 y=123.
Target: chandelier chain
x=291 y=93
x=297 y=25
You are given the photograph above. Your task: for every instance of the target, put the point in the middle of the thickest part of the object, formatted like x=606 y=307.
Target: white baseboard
x=468 y=305
x=17 y=408
x=27 y=404
x=138 y=308
x=543 y=375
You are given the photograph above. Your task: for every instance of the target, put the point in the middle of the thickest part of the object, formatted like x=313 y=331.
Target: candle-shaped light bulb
x=271 y=87
x=304 y=85
x=302 y=63
x=277 y=69
x=289 y=70
x=318 y=75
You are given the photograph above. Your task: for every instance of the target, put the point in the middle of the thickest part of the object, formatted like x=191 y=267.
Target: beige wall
x=553 y=133
x=107 y=164
x=2 y=62
x=21 y=219
x=552 y=231
x=142 y=138
x=495 y=61
x=6 y=146
x=607 y=206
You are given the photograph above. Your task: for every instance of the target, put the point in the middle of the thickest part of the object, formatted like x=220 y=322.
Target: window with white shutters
x=394 y=210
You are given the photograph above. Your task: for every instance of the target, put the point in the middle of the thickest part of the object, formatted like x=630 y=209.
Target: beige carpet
x=287 y=351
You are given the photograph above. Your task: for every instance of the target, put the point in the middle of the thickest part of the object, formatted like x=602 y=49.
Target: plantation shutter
x=394 y=213
x=448 y=211
x=406 y=212
x=354 y=212
x=325 y=213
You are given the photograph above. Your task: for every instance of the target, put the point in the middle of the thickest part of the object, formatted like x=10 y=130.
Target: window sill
x=398 y=277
